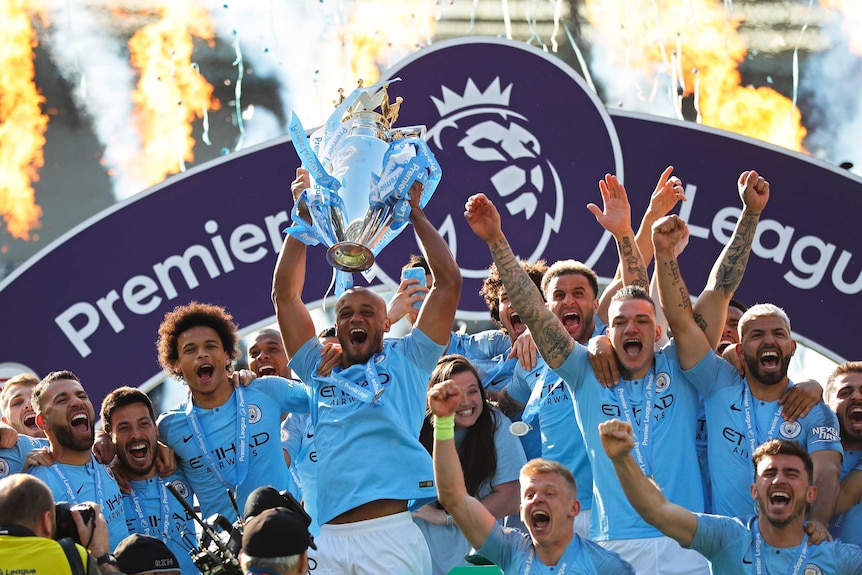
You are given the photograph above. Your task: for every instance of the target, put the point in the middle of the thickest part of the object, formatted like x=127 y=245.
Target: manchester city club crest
x=253 y=413
x=4 y=467
x=790 y=429
x=662 y=381
x=812 y=569
x=181 y=488
x=529 y=134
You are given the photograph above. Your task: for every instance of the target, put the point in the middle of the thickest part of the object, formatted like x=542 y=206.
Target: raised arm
x=710 y=309
x=827 y=473
x=668 y=191
x=471 y=517
x=554 y=342
x=647 y=499
x=294 y=321
x=616 y=217
x=438 y=312
x=851 y=491
x=691 y=343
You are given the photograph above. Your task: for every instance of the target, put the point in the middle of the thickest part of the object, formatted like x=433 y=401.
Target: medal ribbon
x=242 y=424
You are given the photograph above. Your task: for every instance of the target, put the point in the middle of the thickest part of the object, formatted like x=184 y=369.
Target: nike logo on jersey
x=733 y=407
x=187 y=438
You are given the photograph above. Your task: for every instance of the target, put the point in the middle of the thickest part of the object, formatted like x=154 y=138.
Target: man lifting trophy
x=361 y=168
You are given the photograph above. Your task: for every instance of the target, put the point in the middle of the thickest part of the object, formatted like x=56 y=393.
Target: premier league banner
x=502 y=118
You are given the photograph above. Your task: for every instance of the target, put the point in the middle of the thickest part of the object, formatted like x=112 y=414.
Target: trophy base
x=350 y=257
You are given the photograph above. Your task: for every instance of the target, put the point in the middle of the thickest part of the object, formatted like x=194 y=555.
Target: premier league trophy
x=362 y=169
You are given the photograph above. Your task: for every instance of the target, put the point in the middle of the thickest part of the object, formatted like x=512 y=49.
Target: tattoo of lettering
x=684 y=301
x=551 y=338
x=731 y=267
x=633 y=263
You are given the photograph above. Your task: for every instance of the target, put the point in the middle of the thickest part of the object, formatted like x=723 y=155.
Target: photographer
x=27 y=525
x=276 y=542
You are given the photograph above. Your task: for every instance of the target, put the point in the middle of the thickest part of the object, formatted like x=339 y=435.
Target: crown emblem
x=471 y=97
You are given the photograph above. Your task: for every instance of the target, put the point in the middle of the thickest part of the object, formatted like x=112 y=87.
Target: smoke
x=629 y=89
x=95 y=65
x=295 y=43
x=832 y=80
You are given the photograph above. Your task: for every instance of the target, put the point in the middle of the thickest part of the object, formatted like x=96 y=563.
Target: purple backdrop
x=509 y=121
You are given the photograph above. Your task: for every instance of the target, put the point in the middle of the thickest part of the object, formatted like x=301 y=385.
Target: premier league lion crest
x=519 y=126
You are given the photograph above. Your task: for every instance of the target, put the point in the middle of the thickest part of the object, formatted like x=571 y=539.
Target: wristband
x=444 y=427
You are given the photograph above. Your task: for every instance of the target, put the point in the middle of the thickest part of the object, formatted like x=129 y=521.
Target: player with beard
x=772 y=541
x=669 y=420
x=128 y=417
x=844 y=396
x=19 y=434
x=743 y=412
x=226 y=437
x=367 y=414
x=549 y=504
x=64 y=412
x=570 y=289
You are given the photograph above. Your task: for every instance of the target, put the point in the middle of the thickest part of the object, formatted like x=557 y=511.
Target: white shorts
x=659 y=556
x=391 y=544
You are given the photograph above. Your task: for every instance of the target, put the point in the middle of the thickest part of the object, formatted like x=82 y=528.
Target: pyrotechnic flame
x=851 y=19
x=696 y=44
x=379 y=32
x=22 y=123
x=171 y=93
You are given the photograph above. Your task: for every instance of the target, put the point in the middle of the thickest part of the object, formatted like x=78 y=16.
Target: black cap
x=276 y=532
x=144 y=554
x=261 y=499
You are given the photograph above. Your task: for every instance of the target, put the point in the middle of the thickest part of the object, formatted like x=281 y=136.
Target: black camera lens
x=65 y=524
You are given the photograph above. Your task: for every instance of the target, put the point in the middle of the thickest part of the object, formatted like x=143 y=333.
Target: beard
x=800 y=508
x=67 y=439
x=771 y=378
x=136 y=468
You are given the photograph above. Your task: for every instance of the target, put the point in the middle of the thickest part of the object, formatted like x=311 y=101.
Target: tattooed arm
x=710 y=309
x=553 y=341
x=617 y=219
x=691 y=342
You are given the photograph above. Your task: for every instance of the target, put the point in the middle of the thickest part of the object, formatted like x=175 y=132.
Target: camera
x=66 y=524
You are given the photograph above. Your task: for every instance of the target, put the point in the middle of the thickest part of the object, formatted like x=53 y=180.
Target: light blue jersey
x=447 y=544
x=153 y=510
x=12 y=458
x=729 y=406
x=303 y=462
x=515 y=554
x=848 y=526
x=220 y=449
x=367 y=420
x=668 y=424
x=292 y=430
x=488 y=351
x=731 y=543
x=90 y=482
x=551 y=404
